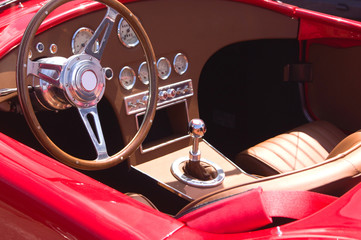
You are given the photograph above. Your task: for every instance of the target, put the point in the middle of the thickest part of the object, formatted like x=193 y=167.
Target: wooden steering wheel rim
x=28 y=110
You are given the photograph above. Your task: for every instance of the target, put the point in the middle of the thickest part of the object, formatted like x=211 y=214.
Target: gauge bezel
x=127 y=68
x=174 y=63
x=76 y=33
x=128 y=45
x=168 y=65
x=143 y=65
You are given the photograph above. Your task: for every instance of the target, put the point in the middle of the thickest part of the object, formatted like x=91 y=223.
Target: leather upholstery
x=301 y=147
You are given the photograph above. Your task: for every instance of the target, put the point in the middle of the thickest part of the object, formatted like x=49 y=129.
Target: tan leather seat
x=335 y=175
x=301 y=147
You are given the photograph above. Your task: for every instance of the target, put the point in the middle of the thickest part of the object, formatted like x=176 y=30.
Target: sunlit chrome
x=105 y=26
x=196 y=129
x=40 y=47
x=127 y=77
x=179 y=174
x=96 y=134
x=126 y=34
x=53 y=48
x=183 y=89
x=143 y=73
x=180 y=63
x=164 y=68
x=81 y=38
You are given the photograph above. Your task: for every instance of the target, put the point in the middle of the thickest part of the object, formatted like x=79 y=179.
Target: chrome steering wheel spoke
x=35 y=68
x=92 y=124
x=105 y=27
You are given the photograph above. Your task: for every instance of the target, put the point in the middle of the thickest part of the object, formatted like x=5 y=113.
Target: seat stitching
x=289 y=152
x=310 y=146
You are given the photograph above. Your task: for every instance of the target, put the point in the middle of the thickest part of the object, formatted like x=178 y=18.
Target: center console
x=191 y=169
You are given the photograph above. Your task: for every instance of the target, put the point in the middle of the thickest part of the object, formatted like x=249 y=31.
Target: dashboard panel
x=183 y=43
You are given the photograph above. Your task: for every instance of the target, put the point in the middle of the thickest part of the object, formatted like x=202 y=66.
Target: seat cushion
x=301 y=147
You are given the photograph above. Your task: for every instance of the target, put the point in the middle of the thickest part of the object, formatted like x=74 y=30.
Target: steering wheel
x=80 y=82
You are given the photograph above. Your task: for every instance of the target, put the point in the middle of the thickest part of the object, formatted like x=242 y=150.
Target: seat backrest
x=301 y=147
x=346 y=145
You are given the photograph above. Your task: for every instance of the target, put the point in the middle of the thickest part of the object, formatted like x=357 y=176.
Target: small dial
x=127 y=77
x=143 y=74
x=126 y=34
x=81 y=38
x=164 y=68
x=180 y=63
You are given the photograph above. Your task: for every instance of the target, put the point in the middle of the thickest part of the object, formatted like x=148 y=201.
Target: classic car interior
x=240 y=68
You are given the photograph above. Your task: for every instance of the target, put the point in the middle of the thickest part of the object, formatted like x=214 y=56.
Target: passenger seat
x=301 y=147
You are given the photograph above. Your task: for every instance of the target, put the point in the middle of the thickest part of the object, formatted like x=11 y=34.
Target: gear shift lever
x=194 y=170
x=194 y=167
x=197 y=129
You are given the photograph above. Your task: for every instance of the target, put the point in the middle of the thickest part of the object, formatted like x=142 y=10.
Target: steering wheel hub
x=83 y=80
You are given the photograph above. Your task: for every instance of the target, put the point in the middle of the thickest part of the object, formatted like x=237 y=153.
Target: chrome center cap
x=89 y=80
x=83 y=80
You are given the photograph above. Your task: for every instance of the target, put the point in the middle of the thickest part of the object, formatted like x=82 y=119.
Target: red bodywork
x=42 y=198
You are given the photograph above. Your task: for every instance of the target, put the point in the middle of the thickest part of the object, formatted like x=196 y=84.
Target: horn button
x=83 y=80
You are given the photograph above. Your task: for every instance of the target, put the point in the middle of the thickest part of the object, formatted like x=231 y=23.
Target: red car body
x=44 y=199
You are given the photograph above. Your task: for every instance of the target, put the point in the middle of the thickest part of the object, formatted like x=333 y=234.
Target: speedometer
x=81 y=38
x=126 y=34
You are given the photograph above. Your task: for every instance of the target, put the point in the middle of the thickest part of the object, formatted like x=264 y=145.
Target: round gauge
x=126 y=34
x=143 y=73
x=127 y=77
x=80 y=39
x=164 y=68
x=180 y=63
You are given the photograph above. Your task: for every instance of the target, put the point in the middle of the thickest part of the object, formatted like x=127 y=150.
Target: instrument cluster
x=127 y=75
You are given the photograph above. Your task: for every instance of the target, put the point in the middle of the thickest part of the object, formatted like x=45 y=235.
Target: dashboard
x=183 y=44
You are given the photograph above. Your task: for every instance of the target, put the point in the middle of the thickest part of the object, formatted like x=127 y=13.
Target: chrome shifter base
x=178 y=173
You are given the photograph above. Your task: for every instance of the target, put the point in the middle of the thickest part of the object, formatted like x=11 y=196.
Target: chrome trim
x=177 y=173
x=97 y=136
x=110 y=71
x=144 y=79
x=121 y=75
x=95 y=47
x=105 y=28
x=136 y=103
x=53 y=48
x=40 y=47
x=126 y=44
x=7 y=3
x=7 y=91
x=168 y=65
x=177 y=70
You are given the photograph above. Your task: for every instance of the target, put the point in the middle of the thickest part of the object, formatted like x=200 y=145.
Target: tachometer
x=126 y=34
x=80 y=39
